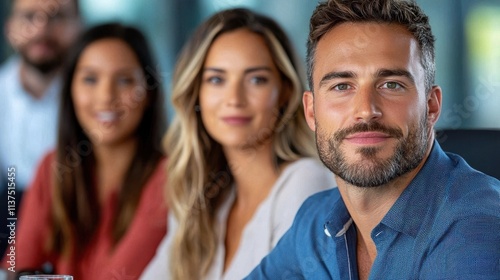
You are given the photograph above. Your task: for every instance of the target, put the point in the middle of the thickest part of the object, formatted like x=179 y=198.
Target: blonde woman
x=241 y=154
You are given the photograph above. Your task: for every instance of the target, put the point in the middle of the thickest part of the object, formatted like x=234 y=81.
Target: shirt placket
x=345 y=240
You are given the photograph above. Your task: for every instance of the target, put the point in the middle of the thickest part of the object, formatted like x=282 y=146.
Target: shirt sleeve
x=146 y=231
x=470 y=249
x=307 y=178
x=34 y=221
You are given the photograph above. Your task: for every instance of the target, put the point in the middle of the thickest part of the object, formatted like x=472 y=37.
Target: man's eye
x=58 y=17
x=342 y=87
x=391 y=85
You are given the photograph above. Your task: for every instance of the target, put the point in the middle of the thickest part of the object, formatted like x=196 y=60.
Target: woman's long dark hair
x=76 y=209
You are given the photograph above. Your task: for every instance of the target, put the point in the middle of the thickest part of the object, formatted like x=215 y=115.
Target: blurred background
x=467 y=46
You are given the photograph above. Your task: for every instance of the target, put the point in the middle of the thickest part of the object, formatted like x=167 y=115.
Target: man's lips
x=370 y=137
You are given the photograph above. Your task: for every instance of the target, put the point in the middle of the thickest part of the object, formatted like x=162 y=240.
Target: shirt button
x=327 y=232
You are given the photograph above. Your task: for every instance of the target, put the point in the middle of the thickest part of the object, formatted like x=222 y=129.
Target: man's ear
x=13 y=36
x=434 y=105
x=6 y=30
x=308 y=102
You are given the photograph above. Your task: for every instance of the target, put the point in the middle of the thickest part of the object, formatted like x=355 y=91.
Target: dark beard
x=373 y=171
x=44 y=67
x=47 y=64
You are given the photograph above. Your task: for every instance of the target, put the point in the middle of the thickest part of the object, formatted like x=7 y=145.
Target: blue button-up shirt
x=445 y=225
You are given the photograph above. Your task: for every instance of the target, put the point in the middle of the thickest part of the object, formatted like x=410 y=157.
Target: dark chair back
x=479 y=147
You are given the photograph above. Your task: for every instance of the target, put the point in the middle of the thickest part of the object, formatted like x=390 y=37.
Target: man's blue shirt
x=445 y=225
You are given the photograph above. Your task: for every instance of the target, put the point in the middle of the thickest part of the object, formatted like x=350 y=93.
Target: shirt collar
x=51 y=94
x=413 y=202
x=339 y=219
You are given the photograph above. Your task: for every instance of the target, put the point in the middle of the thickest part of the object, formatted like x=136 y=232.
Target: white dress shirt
x=28 y=125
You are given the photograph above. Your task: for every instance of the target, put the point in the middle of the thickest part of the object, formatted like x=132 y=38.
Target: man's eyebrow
x=382 y=73
x=335 y=75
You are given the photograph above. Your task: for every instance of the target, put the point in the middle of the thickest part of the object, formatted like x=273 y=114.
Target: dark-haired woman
x=96 y=208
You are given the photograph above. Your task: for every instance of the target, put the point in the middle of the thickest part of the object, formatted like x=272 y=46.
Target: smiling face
x=109 y=92
x=240 y=90
x=372 y=117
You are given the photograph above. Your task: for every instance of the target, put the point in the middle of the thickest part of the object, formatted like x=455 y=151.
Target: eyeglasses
x=41 y=18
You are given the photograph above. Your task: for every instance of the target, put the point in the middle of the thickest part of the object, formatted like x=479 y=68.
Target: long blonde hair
x=198 y=173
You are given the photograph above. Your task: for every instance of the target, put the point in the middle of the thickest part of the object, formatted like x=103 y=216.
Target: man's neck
x=35 y=82
x=368 y=206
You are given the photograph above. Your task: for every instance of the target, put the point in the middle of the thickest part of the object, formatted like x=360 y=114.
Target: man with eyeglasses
x=41 y=33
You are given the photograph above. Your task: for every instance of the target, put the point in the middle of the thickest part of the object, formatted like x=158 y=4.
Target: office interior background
x=467 y=45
